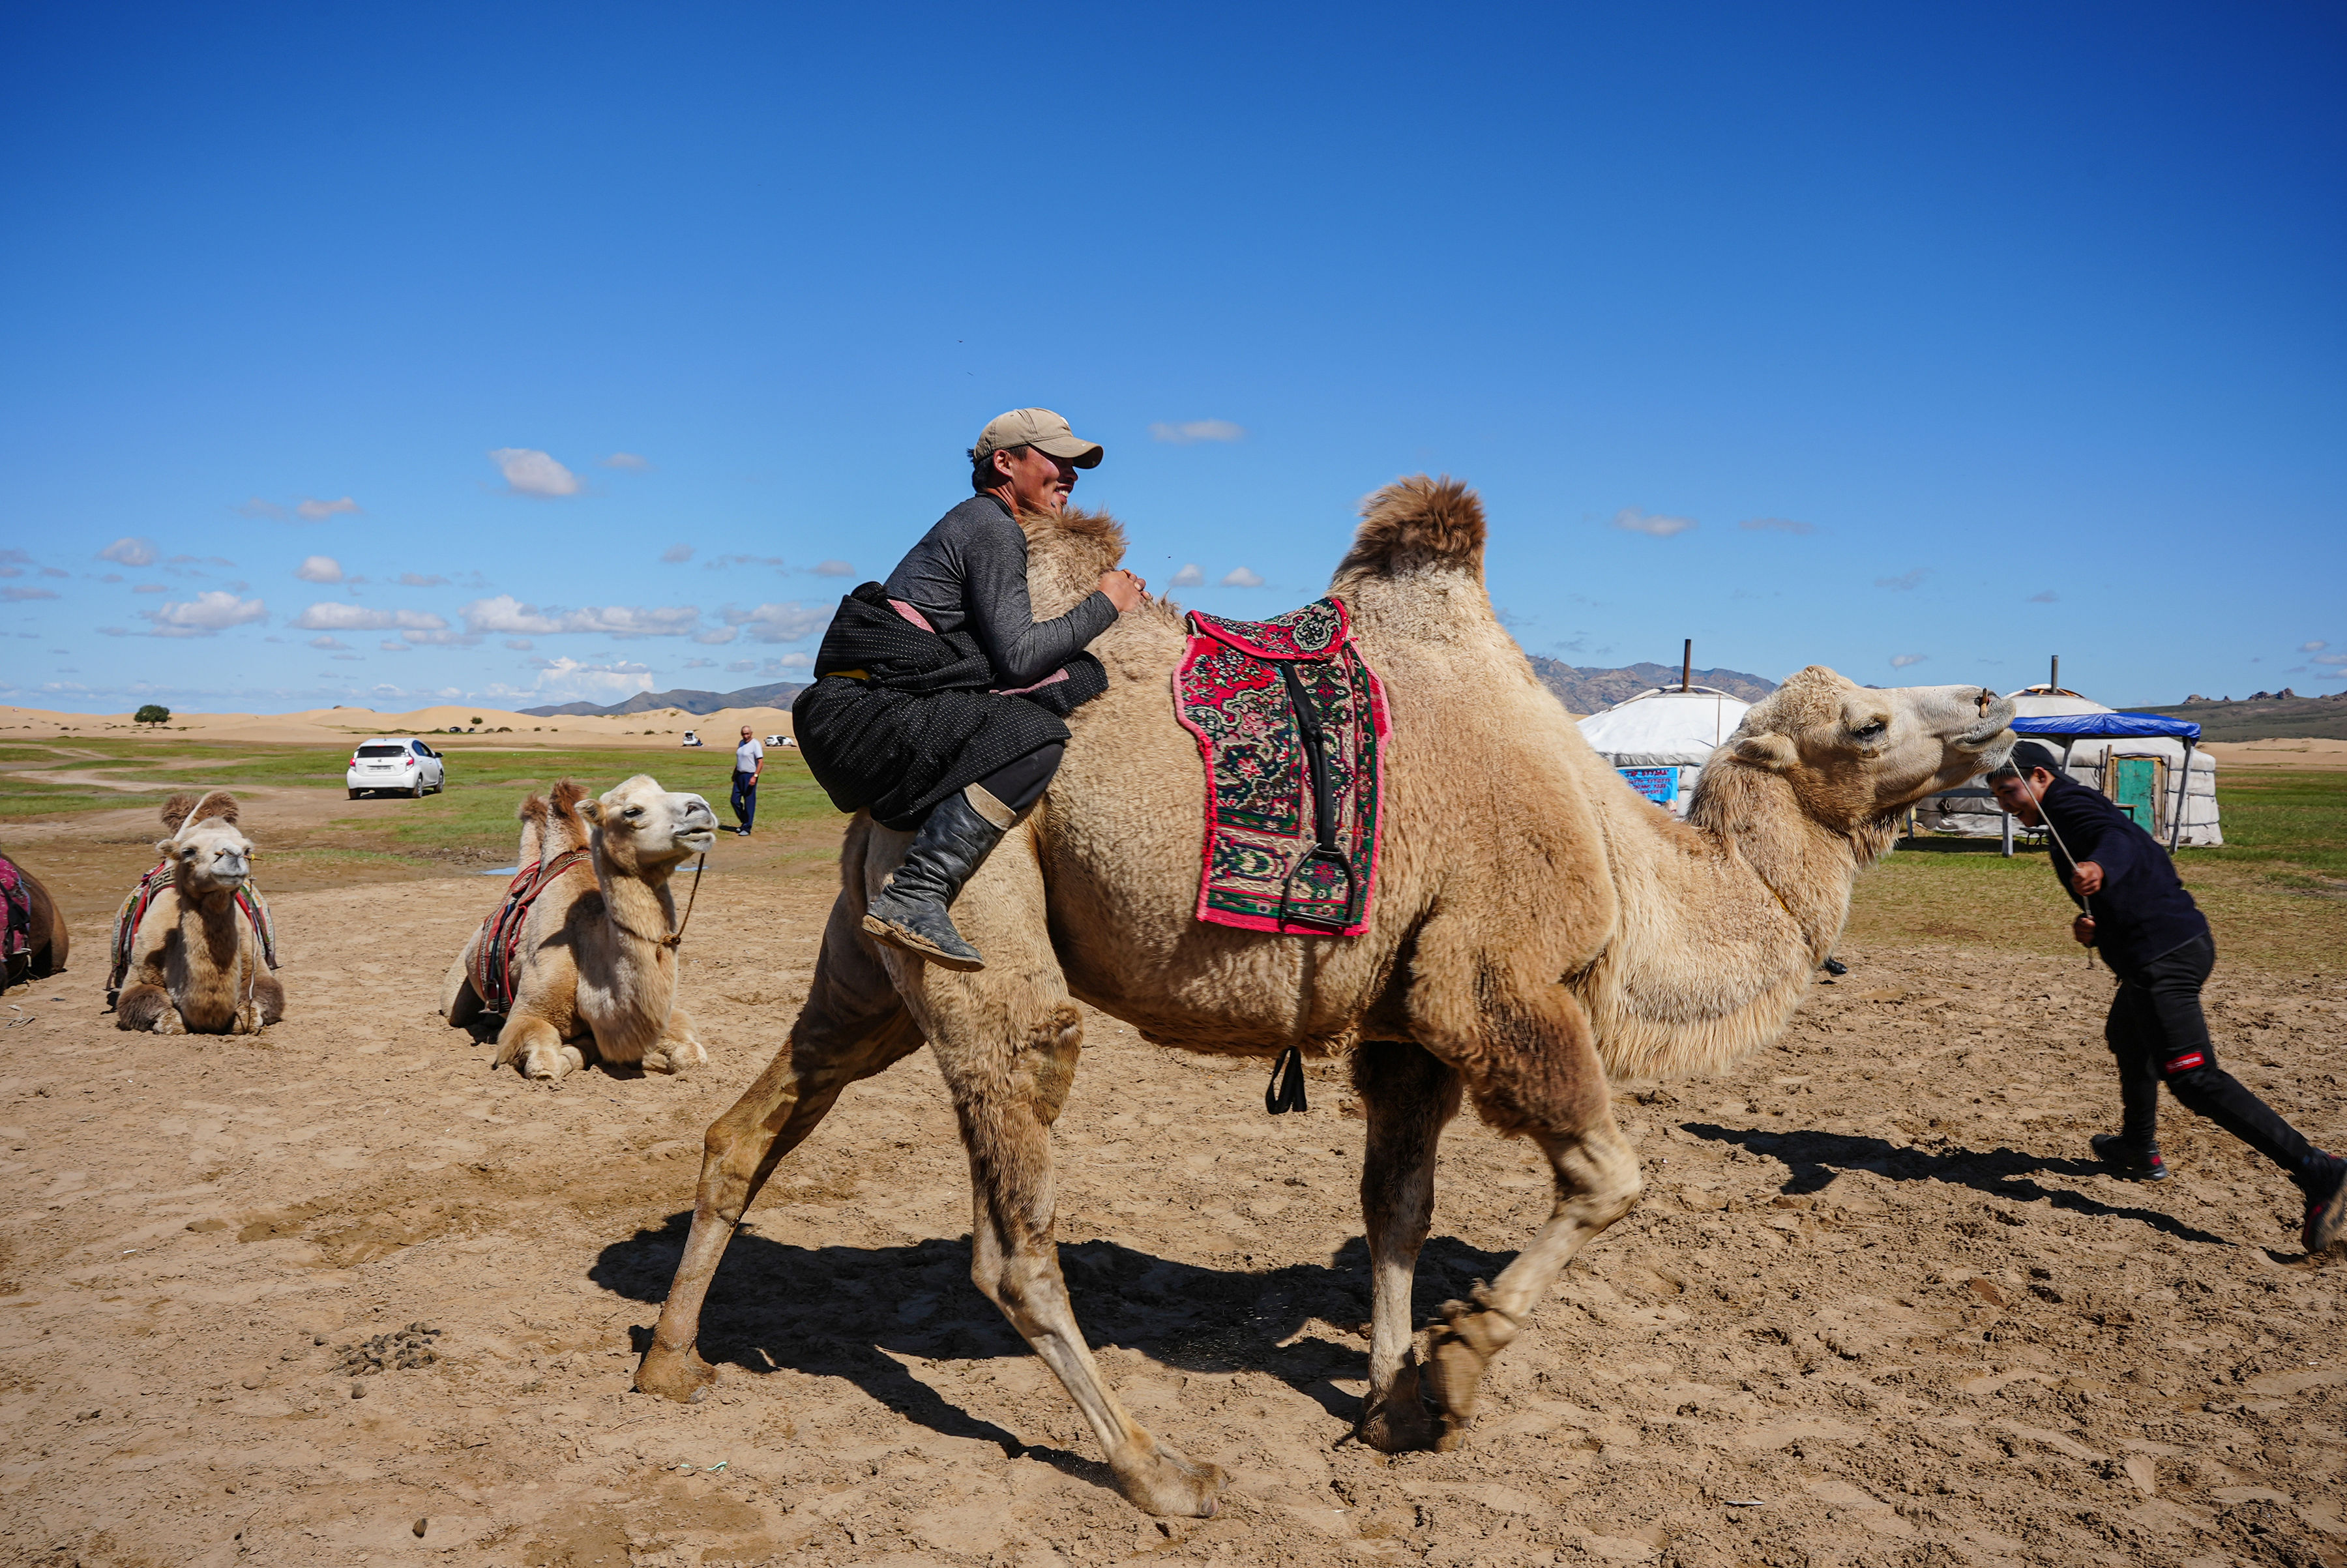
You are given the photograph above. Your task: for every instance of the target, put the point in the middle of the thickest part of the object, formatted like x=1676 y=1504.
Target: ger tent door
x=2138 y=785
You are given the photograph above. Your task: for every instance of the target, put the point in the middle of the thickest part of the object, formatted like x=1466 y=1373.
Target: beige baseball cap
x=1037 y=427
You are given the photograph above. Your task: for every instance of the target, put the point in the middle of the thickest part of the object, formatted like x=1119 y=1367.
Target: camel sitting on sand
x=1537 y=928
x=45 y=943
x=198 y=960
x=595 y=960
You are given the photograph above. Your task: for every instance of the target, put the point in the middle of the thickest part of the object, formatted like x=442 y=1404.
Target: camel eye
x=1869 y=730
x=634 y=811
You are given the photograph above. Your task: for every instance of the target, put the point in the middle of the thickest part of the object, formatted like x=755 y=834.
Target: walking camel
x=1537 y=927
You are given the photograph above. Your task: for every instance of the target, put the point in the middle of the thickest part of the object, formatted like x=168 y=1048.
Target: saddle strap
x=1285 y=1092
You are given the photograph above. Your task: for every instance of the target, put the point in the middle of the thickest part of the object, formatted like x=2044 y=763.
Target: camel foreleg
x=854 y=1025
x=148 y=1008
x=538 y=1047
x=1007 y=1101
x=678 y=1049
x=1407 y=1098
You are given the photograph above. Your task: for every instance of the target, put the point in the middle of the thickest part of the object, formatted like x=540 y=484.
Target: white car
x=400 y=762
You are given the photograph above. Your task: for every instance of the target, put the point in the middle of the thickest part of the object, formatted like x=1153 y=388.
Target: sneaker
x=2135 y=1164
x=2326 y=1211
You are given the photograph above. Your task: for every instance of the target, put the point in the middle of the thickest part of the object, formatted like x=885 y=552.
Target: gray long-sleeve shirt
x=970 y=571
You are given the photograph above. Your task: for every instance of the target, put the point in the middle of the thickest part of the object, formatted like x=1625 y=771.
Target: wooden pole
x=1687 y=665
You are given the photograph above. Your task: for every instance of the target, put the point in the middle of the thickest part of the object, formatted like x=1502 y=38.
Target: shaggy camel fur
x=47 y=943
x=196 y=963
x=1537 y=928
x=596 y=963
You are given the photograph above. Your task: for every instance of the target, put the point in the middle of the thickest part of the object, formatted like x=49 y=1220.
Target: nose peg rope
x=2086 y=903
x=675 y=938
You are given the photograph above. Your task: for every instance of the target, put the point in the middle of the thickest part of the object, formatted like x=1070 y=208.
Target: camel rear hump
x=1418 y=524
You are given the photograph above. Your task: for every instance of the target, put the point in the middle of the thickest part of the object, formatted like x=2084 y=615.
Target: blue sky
x=1922 y=343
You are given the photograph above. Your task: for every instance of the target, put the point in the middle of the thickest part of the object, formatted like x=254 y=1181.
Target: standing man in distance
x=939 y=699
x=749 y=762
x=2133 y=908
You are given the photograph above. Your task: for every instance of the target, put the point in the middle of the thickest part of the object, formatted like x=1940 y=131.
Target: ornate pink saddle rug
x=1292 y=723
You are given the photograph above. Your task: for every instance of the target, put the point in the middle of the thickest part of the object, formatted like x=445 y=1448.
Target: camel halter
x=675 y=938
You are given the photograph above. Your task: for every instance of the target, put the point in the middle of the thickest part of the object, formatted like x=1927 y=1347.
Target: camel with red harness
x=579 y=956
x=1528 y=929
x=194 y=945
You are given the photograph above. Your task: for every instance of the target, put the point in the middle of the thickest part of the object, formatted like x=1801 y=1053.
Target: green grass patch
x=2275 y=892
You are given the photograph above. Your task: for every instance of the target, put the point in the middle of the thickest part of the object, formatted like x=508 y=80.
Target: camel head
x=1856 y=756
x=208 y=854
x=645 y=830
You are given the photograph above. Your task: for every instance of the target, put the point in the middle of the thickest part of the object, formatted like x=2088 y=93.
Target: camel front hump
x=579 y=961
x=194 y=946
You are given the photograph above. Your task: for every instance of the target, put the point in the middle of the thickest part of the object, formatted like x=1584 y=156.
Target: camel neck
x=639 y=907
x=1806 y=867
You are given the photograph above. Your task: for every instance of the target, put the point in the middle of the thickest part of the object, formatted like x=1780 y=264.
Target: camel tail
x=181 y=810
x=1418 y=524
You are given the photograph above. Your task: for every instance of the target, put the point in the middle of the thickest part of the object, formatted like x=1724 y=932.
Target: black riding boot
x=910 y=912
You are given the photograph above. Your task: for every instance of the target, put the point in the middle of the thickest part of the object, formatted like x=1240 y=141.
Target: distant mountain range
x=776 y=695
x=1590 y=689
x=2268 y=715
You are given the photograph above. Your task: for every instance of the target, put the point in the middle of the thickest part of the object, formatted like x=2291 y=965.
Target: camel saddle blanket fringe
x=901 y=716
x=19 y=900
x=1292 y=723
x=492 y=967
x=134 y=909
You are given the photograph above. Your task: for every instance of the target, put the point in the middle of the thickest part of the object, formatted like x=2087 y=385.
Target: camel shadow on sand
x=1816 y=1158
x=848 y=1311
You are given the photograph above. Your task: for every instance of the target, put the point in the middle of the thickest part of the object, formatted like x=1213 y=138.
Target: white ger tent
x=2154 y=776
x=1661 y=739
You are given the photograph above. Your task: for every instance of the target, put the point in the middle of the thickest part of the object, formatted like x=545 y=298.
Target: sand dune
x=338 y=725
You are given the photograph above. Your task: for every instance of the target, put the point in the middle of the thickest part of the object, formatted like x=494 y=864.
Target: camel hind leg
x=1530 y=1057
x=854 y=1025
x=1407 y=1098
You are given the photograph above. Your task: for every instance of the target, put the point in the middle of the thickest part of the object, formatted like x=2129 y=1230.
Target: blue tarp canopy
x=2114 y=725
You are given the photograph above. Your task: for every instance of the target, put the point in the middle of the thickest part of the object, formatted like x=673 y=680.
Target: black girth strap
x=1285 y=1092
x=1326 y=850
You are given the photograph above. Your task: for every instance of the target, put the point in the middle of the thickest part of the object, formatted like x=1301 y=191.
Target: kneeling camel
x=1537 y=928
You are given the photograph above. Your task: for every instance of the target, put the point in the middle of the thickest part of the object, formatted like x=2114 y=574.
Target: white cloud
x=329 y=641
x=627 y=460
x=505 y=615
x=254 y=506
x=568 y=679
x=15 y=595
x=520 y=644
x=2331 y=658
x=332 y=615
x=1905 y=580
x=149 y=588
x=422 y=580
x=1189 y=577
x=51 y=571
x=530 y=472
x=1901 y=661
x=352 y=658
x=700 y=664
x=205 y=614
x=1189 y=432
x=2315 y=647
x=1239 y=577
x=314 y=510
x=740 y=666
x=795 y=661
x=1653 y=524
x=130 y=551
x=713 y=636
x=780 y=622
x=677 y=554
x=832 y=568
x=1781 y=525
x=721 y=562
x=319 y=568
x=388 y=646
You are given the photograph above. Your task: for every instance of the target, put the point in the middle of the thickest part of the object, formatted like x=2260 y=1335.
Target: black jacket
x=917 y=721
x=2142 y=911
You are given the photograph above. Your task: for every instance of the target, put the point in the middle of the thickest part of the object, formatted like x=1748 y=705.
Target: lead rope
x=675 y=938
x=2086 y=904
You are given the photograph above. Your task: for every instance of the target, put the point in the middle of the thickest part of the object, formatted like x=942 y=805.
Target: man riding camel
x=939 y=699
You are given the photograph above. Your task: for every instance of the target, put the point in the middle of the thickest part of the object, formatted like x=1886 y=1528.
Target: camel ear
x=1773 y=752
x=592 y=810
x=167 y=847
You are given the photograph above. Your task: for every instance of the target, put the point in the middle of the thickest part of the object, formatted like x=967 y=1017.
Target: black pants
x=1021 y=783
x=745 y=797
x=2156 y=1031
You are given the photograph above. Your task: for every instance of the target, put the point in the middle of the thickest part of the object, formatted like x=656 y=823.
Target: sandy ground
x=340 y=726
x=2278 y=753
x=1877 y=1306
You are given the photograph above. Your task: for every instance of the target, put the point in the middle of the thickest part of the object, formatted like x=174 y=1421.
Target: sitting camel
x=198 y=957
x=1537 y=928
x=594 y=960
x=33 y=941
